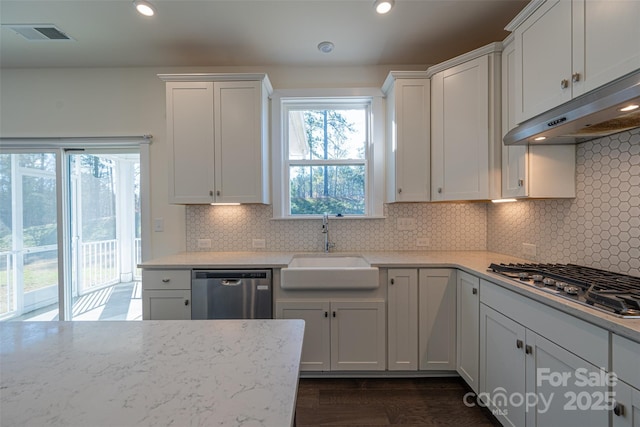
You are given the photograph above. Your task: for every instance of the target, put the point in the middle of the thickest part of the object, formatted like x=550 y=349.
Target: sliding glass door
x=70 y=232
x=28 y=235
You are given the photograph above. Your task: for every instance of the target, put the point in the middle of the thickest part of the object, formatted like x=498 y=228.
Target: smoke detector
x=39 y=32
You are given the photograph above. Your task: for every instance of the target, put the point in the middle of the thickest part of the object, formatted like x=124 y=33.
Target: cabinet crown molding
x=218 y=77
x=495 y=47
x=394 y=75
x=524 y=14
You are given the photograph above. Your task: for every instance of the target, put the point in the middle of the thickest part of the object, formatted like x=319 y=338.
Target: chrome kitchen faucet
x=325 y=230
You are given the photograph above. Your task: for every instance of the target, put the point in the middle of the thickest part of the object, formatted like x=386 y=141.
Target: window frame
x=285 y=100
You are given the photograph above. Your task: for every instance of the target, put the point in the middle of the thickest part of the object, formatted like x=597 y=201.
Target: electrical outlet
x=204 y=243
x=258 y=243
x=406 y=224
x=158 y=224
x=422 y=241
x=528 y=249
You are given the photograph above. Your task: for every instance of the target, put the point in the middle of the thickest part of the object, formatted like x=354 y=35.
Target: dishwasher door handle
x=231 y=282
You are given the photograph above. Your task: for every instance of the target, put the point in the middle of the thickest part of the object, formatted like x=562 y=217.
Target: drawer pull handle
x=564 y=84
x=528 y=349
x=474 y=291
x=519 y=343
x=393 y=281
x=165 y=280
x=186 y=302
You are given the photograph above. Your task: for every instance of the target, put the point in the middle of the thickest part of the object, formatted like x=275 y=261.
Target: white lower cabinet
x=166 y=294
x=421 y=320
x=437 y=319
x=339 y=335
x=529 y=380
x=626 y=366
x=468 y=329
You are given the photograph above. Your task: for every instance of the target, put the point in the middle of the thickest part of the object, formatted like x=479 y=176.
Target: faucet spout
x=325 y=230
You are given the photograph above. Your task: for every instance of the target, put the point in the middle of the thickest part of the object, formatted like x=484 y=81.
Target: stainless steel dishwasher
x=231 y=294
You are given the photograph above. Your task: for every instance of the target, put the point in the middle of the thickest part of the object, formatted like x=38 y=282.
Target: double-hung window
x=326 y=152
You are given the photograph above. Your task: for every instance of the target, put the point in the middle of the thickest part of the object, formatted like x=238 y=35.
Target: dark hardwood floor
x=387 y=402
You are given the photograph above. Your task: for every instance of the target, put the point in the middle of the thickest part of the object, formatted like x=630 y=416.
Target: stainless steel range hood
x=589 y=116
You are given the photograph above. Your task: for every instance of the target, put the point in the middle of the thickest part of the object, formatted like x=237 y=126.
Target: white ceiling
x=109 y=33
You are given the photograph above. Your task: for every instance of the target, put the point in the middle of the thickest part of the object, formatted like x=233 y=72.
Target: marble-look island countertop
x=151 y=373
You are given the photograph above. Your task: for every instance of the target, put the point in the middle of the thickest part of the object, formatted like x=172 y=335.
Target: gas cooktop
x=613 y=293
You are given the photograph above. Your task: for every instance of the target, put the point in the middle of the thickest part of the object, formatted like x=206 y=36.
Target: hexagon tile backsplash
x=450 y=226
x=599 y=228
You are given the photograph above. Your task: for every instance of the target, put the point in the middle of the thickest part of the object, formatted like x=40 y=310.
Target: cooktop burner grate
x=605 y=290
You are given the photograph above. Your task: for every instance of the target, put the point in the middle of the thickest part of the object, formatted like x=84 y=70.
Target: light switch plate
x=406 y=224
x=158 y=224
x=204 y=243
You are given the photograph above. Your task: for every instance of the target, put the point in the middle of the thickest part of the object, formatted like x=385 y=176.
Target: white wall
x=129 y=102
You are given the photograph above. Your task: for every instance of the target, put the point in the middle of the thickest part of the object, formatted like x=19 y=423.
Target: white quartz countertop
x=150 y=373
x=474 y=262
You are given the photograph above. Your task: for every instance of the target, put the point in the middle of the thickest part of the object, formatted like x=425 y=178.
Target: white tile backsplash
x=599 y=228
x=451 y=226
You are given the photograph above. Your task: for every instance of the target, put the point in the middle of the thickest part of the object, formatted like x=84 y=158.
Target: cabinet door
x=513 y=157
x=166 y=305
x=402 y=319
x=626 y=411
x=316 y=347
x=606 y=41
x=238 y=136
x=502 y=365
x=190 y=141
x=468 y=328
x=573 y=389
x=413 y=134
x=543 y=59
x=437 y=319
x=460 y=144
x=358 y=336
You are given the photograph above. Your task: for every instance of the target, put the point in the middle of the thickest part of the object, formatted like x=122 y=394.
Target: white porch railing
x=100 y=264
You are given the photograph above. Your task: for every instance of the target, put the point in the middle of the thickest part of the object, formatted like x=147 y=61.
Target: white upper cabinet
x=542 y=171
x=564 y=48
x=465 y=120
x=408 y=136
x=217 y=138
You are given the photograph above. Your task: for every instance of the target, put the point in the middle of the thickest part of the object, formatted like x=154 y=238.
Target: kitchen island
x=151 y=373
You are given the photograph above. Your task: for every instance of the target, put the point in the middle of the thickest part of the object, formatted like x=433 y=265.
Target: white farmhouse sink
x=324 y=272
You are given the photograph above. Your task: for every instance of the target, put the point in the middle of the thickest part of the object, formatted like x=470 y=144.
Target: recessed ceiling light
x=325 y=47
x=383 y=6
x=144 y=7
x=630 y=108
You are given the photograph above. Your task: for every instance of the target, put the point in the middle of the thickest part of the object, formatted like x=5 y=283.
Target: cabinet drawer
x=588 y=341
x=166 y=279
x=626 y=360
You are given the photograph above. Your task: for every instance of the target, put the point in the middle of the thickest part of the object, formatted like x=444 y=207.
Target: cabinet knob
x=218 y=193
x=393 y=281
x=575 y=77
x=211 y=193
x=399 y=190
x=520 y=182
x=186 y=302
x=528 y=349
x=474 y=291
x=334 y=314
x=564 y=84
x=619 y=409
x=519 y=343
x=326 y=314
x=165 y=280
x=439 y=189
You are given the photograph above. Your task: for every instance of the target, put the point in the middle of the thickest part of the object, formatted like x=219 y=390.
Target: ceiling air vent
x=39 y=32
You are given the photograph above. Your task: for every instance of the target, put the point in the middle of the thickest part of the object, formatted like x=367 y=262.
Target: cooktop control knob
x=549 y=282
x=571 y=290
x=537 y=277
x=561 y=285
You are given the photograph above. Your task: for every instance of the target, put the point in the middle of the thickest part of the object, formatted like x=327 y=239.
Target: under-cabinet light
x=630 y=107
x=504 y=200
x=225 y=204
